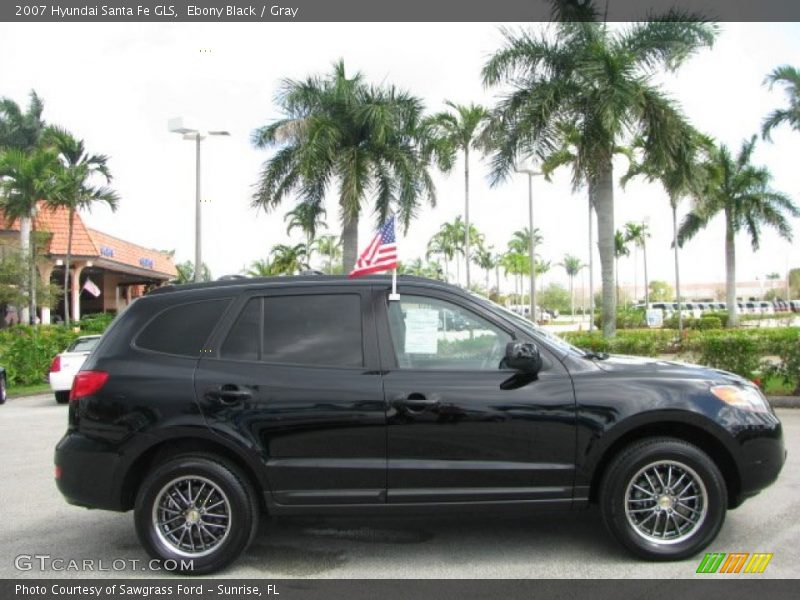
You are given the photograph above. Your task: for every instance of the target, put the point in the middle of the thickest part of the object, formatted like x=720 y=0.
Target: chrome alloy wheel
x=192 y=516
x=666 y=502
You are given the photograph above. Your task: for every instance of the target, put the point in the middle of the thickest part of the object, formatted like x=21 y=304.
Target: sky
x=115 y=85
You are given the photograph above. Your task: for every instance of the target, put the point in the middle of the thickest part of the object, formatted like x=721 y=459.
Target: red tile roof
x=96 y=244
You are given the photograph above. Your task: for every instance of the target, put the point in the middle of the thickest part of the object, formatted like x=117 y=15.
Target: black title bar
x=374 y=10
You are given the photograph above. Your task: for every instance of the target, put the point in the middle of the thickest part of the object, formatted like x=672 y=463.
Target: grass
x=776 y=386
x=28 y=390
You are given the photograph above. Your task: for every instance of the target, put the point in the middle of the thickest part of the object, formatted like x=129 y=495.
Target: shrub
x=709 y=322
x=627 y=318
x=735 y=353
x=26 y=352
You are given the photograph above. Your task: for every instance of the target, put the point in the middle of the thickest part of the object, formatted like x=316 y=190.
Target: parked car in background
x=2 y=385
x=68 y=363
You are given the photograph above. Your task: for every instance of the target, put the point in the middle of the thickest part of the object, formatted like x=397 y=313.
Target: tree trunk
x=349 y=243
x=466 y=213
x=487 y=281
x=34 y=274
x=730 y=271
x=604 y=205
x=646 y=282
x=572 y=295
x=25 y=246
x=458 y=270
x=497 y=278
x=66 y=265
x=677 y=270
x=591 y=258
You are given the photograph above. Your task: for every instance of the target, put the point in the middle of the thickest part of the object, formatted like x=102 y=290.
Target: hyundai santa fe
x=207 y=406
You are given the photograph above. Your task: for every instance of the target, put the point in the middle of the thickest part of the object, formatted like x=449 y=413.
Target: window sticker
x=422 y=331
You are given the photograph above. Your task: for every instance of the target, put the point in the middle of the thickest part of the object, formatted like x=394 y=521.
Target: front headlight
x=746 y=398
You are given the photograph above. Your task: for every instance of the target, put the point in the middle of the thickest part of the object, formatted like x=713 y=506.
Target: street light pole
x=531 y=250
x=198 y=230
x=531 y=172
x=176 y=126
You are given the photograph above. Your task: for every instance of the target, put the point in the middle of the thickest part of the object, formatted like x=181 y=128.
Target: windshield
x=529 y=327
x=83 y=344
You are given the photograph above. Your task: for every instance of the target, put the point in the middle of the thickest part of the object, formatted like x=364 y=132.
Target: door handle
x=415 y=402
x=231 y=394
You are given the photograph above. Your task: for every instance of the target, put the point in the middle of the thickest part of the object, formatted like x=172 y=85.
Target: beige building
x=120 y=270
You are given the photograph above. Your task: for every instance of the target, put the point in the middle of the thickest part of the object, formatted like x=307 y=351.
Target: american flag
x=90 y=287
x=380 y=255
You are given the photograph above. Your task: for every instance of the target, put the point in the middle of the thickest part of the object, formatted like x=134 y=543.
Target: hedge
x=26 y=352
x=748 y=352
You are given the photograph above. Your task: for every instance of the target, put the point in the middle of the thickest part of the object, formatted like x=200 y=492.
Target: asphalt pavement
x=37 y=521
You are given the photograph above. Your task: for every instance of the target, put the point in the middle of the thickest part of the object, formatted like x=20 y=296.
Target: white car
x=68 y=363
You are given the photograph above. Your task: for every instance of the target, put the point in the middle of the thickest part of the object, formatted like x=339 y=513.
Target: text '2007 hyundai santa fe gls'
x=205 y=406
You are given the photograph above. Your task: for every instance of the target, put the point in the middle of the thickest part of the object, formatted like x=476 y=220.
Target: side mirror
x=523 y=357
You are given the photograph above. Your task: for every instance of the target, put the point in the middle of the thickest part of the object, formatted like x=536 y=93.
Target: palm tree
x=339 y=131
x=620 y=250
x=261 y=268
x=289 y=260
x=186 y=272
x=449 y=133
x=329 y=246
x=77 y=192
x=789 y=78
x=307 y=217
x=23 y=131
x=485 y=259
x=572 y=265
x=444 y=244
x=25 y=179
x=680 y=178
x=600 y=80
x=637 y=233
x=740 y=192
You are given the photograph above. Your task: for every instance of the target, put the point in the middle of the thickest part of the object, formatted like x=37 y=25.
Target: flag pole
x=394 y=296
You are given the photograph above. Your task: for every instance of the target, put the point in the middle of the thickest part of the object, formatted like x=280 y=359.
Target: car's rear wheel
x=62 y=397
x=663 y=499
x=196 y=508
x=3 y=392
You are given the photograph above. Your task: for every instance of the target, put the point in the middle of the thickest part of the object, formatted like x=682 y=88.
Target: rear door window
x=182 y=329
x=313 y=329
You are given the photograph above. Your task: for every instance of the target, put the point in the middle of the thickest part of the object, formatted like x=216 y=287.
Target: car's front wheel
x=198 y=510
x=663 y=499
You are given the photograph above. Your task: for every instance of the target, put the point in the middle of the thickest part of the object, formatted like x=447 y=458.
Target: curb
x=784 y=401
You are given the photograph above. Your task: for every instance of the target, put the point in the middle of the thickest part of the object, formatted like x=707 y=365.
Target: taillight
x=55 y=366
x=87 y=383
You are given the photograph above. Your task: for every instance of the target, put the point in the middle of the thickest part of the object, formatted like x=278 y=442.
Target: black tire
x=242 y=509
x=3 y=392
x=630 y=467
x=62 y=397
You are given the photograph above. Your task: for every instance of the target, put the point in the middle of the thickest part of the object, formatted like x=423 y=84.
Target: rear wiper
x=594 y=355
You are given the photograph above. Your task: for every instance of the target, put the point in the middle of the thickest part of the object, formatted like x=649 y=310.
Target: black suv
x=205 y=406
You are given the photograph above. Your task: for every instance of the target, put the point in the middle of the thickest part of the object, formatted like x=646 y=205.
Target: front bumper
x=88 y=472
x=761 y=458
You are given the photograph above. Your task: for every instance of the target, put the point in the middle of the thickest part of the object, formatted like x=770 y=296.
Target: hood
x=639 y=366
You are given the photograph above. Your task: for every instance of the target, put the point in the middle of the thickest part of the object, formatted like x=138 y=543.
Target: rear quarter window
x=182 y=329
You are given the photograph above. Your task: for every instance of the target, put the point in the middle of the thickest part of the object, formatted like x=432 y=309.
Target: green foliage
x=787 y=369
x=627 y=318
x=26 y=351
x=709 y=322
x=735 y=353
x=710 y=318
x=660 y=291
x=554 y=297
x=746 y=352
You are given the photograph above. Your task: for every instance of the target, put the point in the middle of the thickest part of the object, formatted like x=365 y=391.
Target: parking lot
x=38 y=522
